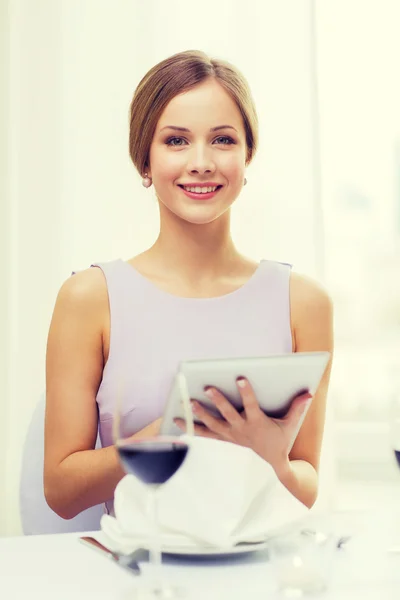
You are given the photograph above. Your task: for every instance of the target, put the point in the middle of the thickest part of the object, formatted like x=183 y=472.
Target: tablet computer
x=276 y=380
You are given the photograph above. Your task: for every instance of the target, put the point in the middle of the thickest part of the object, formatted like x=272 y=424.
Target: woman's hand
x=268 y=437
x=151 y=430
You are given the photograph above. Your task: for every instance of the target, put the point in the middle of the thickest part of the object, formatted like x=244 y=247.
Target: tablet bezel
x=287 y=375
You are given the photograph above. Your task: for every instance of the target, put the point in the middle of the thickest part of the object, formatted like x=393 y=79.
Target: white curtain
x=73 y=195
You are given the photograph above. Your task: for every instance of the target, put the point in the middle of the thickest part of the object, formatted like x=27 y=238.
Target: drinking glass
x=301 y=562
x=394 y=426
x=153 y=460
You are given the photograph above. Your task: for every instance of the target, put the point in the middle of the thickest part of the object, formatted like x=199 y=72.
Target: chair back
x=36 y=515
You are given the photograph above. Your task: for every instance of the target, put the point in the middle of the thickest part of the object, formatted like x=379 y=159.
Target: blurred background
x=323 y=192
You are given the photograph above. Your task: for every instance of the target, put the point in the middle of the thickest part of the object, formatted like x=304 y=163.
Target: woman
x=193 y=132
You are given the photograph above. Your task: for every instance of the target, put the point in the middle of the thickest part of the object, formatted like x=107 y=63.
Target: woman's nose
x=201 y=161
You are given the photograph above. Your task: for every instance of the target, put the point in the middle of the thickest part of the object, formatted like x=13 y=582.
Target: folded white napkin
x=222 y=495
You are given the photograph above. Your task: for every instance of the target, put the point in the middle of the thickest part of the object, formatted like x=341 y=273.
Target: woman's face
x=199 y=142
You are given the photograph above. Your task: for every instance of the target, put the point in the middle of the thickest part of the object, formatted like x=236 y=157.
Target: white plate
x=241 y=548
x=112 y=537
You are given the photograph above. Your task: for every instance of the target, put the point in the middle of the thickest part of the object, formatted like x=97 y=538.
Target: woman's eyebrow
x=176 y=128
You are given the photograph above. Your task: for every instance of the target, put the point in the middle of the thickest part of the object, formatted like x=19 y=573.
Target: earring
x=146 y=181
x=245 y=181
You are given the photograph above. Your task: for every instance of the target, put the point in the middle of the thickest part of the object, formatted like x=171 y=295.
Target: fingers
x=180 y=423
x=250 y=403
x=226 y=409
x=218 y=426
x=200 y=430
x=297 y=408
x=214 y=427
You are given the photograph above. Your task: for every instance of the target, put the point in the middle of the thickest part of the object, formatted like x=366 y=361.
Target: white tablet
x=276 y=381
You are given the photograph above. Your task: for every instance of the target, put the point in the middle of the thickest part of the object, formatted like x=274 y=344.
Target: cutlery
x=340 y=542
x=126 y=561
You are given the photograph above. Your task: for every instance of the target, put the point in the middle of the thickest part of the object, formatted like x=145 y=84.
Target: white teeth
x=200 y=190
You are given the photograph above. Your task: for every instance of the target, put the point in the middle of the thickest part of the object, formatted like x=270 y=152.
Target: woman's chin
x=205 y=218
x=200 y=215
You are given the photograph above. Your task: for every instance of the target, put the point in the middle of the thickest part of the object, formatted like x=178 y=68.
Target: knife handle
x=93 y=543
x=122 y=561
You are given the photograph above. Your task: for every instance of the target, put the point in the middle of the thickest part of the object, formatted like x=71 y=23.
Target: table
x=58 y=567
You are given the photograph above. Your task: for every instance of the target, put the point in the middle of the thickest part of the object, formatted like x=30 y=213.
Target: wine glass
x=392 y=513
x=153 y=460
x=396 y=439
x=394 y=425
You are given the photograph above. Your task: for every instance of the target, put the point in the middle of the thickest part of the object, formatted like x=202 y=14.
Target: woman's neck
x=195 y=251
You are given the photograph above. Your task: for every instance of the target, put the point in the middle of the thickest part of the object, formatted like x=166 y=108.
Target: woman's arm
x=312 y=326
x=76 y=476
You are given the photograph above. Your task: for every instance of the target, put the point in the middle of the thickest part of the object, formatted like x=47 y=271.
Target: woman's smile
x=200 y=192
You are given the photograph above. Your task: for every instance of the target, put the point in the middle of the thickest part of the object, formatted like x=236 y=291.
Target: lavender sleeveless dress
x=152 y=331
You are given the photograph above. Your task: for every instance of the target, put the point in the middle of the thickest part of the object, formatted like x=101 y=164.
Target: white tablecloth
x=58 y=567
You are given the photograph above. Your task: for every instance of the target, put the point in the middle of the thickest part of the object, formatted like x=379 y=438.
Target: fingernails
x=195 y=406
x=209 y=392
x=241 y=382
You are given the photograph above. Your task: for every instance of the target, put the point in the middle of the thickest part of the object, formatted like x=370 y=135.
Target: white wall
x=4 y=256
x=74 y=197
x=31 y=221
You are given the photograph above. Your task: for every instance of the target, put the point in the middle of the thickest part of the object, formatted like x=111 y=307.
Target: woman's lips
x=201 y=196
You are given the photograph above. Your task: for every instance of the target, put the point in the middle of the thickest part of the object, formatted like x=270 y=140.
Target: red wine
x=153 y=462
x=397 y=455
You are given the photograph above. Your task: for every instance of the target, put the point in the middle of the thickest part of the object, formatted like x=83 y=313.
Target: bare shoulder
x=80 y=316
x=86 y=290
x=311 y=312
x=307 y=294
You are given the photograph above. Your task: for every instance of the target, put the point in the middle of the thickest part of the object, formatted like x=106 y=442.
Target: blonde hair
x=175 y=75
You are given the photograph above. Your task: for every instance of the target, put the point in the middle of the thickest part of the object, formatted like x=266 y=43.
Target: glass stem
x=155 y=548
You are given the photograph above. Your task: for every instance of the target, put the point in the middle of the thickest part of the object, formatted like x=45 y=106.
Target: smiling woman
x=212 y=96
x=192 y=294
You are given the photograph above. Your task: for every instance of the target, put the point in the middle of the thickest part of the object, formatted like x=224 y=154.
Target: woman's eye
x=171 y=141
x=226 y=140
